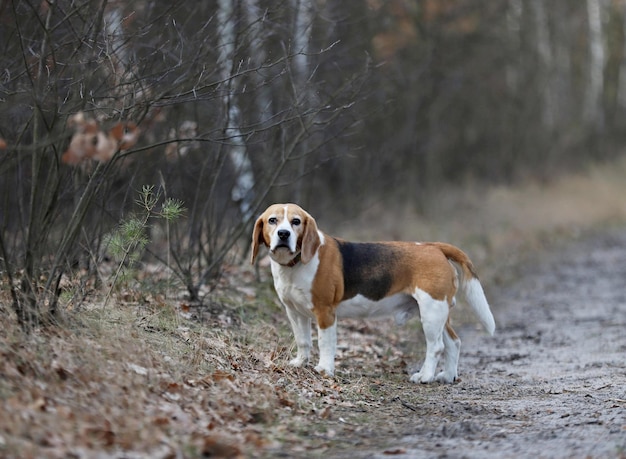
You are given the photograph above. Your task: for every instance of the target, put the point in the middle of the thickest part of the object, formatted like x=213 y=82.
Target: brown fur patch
x=422 y=266
x=309 y=240
x=450 y=330
x=328 y=287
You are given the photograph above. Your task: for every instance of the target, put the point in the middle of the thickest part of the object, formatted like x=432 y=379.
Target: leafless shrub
x=105 y=97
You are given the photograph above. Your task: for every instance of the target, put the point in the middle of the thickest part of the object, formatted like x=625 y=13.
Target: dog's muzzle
x=282 y=240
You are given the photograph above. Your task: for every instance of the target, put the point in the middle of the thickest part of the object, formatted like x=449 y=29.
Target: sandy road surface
x=551 y=383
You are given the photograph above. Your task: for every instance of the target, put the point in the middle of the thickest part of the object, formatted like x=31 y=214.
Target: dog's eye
x=272 y=220
x=295 y=222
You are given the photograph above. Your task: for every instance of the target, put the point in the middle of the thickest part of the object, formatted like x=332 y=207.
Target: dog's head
x=288 y=231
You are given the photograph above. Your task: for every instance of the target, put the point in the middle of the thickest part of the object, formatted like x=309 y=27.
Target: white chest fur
x=293 y=285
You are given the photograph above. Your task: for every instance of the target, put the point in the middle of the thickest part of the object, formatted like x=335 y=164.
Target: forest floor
x=150 y=375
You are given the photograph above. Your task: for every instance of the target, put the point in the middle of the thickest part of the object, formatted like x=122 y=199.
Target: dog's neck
x=293 y=262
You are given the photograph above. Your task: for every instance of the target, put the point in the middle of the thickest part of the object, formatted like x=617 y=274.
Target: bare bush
x=105 y=97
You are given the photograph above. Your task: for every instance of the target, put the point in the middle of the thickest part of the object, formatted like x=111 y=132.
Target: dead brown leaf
x=219 y=446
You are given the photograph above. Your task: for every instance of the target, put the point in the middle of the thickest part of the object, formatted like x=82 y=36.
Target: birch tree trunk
x=621 y=89
x=300 y=69
x=544 y=50
x=254 y=17
x=595 y=88
x=116 y=49
x=241 y=192
x=561 y=74
x=513 y=23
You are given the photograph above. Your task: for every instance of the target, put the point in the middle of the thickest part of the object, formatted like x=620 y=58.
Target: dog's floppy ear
x=257 y=238
x=310 y=240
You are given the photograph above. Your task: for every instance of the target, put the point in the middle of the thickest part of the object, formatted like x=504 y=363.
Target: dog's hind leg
x=434 y=314
x=452 y=349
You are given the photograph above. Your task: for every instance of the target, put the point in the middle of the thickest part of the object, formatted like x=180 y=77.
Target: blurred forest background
x=229 y=105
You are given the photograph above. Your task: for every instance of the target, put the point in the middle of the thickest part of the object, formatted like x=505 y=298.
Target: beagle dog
x=320 y=277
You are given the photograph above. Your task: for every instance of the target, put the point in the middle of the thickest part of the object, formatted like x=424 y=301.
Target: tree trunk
x=301 y=39
x=544 y=50
x=621 y=89
x=513 y=23
x=254 y=18
x=241 y=191
x=593 y=98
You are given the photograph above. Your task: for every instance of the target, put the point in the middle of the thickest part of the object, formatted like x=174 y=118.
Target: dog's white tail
x=471 y=286
x=476 y=298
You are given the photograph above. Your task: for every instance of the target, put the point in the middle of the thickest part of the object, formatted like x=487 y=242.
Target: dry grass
x=141 y=380
x=148 y=379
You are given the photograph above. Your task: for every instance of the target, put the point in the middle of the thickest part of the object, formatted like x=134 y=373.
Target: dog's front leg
x=327 y=342
x=301 y=326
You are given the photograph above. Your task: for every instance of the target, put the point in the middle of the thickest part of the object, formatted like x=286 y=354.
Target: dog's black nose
x=283 y=234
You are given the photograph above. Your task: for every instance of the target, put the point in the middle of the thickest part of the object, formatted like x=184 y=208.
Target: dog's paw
x=422 y=378
x=298 y=362
x=446 y=378
x=325 y=371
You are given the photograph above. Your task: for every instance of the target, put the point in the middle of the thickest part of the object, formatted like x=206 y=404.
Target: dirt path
x=551 y=383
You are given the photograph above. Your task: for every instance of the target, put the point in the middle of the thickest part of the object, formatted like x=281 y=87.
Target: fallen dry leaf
x=220 y=446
